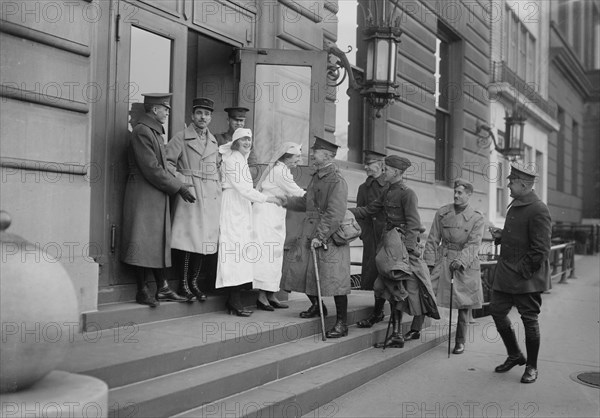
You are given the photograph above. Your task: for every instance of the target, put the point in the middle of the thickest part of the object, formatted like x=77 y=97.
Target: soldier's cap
x=322 y=143
x=236 y=112
x=203 y=103
x=522 y=172
x=396 y=161
x=464 y=183
x=372 y=156
x=163 y=99
x=241 y=133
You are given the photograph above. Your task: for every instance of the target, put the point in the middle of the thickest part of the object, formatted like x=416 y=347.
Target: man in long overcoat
x=522 y=271
x=194 y=154
x=452 y=248
x=146 y=237
x=372 y=228
x=403 y=277
x=325 y=204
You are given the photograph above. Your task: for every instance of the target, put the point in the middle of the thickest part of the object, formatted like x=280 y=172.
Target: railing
x=562 y=264
x=503 y=74
x=586 y=237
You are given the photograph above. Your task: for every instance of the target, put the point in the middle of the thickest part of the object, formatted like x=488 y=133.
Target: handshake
x=279 y=200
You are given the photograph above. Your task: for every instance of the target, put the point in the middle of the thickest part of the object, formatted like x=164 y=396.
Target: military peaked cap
x=464 y=183
x=522 y=171
x=203 y=103
x=163 y=99
x=236 y=112
x=373 y=156
x=322 y=143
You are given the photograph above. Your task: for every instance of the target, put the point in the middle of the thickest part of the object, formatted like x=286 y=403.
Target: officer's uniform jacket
x=325 y=204
x=524 y=266
x=372 y=228
x=456 y=237
x=146 y=235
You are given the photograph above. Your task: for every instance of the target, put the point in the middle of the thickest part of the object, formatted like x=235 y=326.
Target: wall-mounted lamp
x=382 y=36
x=512 y=145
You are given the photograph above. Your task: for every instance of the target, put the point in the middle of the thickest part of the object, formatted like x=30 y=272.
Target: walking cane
x=387 y=332
x=314 y=256
x=450 y=320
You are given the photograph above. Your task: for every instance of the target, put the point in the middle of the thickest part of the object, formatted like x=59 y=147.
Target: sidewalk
x=434 y=385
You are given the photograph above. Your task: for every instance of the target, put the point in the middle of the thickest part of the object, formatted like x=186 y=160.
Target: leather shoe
x=459 y=348
x=340 y=329
x=396 y=340
x=167 y=295
x=530 y=375
x=277 y=304
x=143 y=297
x=370 y=321
x=511 y=362
x=264 y=307
x=412 y=335
x=313 y=312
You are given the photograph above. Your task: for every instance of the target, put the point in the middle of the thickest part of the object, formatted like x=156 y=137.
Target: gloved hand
x=186 y=194
x=456 y=266
x=316 y=243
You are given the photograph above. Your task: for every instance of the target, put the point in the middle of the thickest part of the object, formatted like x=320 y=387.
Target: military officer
x=403 y=277
x=146 y=236
x=372 y=228
x=194 y=153
x=522 y=272
x=236 y=118
x=452 y=248
x=325 y=203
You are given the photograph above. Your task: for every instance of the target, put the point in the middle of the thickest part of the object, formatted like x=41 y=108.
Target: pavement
x=435 y=386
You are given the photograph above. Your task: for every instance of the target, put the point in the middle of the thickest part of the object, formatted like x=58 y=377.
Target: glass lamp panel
x=382 y=60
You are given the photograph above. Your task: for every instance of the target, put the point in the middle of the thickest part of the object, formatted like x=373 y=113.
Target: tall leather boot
x=340 y=329
x=532 y=344
x=313 y=311
x=395 y=339
x=143 y=295
x=163 y=291
x=515 y=356
x=184 y=289
x=195 y=267
x=376 y=316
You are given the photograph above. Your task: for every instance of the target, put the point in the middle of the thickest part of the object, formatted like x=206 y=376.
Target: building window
x=539 y=165
x=560 y=152
x=442 y=102
x=520 y=48
x=501 y=185
x=575 y=160
x=563 y=18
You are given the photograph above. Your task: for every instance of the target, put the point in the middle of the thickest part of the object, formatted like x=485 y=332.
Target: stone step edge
x=298 y=394
x=213 y=381
x=116 y=374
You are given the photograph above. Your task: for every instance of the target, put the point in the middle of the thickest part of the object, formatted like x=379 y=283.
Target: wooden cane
x=314 y=256
x=450 y=320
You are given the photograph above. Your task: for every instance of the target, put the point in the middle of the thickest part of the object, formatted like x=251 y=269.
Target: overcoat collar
x=322 y=172
x=398 y=185
x=152 y=124
x=525 y=200
x=467 y=213
x=189 y=134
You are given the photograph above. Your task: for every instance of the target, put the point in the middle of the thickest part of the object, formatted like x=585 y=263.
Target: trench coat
x=524 y=265
x=194 y=227
x=325 y=206
x=237 y=250
x=456 y=237
x=269 y=227
x=146 y=235
x=372 y=228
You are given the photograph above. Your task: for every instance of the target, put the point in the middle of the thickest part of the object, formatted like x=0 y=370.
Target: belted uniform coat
x=372 y=228
x=456 y=237
x=195 y=226
x=523 y=266
x=325 y=206
x=146 y=234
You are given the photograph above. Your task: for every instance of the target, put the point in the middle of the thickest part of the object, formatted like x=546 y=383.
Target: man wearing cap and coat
x=403 y=277
x=146 y=235
x=452 y=249
x=194 y=154
x=522 y=271
x=325 y=206
x=372 y=228
x=236 y=118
